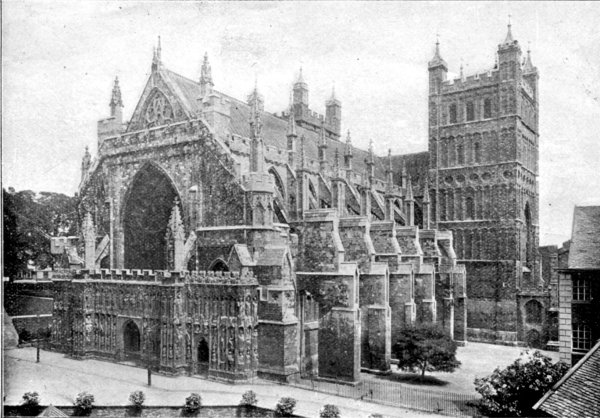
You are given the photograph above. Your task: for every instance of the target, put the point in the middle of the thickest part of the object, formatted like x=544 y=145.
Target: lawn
x=477 y=360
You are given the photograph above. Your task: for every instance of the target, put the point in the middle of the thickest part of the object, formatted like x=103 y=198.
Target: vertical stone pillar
x=401 y=299
x=459 y=281
x=89 y=239
x=565 y=326
x=425 y=294
x=376 y=318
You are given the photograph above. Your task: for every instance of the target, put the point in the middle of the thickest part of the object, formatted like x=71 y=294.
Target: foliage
x=329 y=411
x=514 y=390
x=426 y=347
x=29 y=220
x=192 y=403
x=84 y=403
x=248 y=398
x=137 y=398
x=285 y=407
x=31 y=403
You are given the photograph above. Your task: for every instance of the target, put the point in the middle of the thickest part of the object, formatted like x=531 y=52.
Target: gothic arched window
x=477 y=152
x=487 y=108
x=469 y=208
x=460 y=155
x=452 y=113
x=470 y=111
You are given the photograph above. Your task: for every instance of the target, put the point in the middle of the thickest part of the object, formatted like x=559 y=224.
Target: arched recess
x=146 y=213
x=528 y=236
x=131 y=338
x=533 y=312
x=218 y=265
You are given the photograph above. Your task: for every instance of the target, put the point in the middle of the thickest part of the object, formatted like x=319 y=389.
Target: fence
x=397 y=394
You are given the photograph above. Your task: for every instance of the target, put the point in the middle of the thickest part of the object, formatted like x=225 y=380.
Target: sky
x=59 y=60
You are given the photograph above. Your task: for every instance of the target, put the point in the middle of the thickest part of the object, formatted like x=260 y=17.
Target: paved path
x=58 y=379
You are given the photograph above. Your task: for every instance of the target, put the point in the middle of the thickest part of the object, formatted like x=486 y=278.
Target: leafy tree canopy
x=425 y=347
x=30 y=220
x=514 y=390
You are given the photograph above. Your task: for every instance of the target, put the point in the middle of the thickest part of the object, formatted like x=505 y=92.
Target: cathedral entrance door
x=203 y=357
x=131 y=341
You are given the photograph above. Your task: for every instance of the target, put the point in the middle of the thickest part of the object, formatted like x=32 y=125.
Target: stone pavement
x=58 y=379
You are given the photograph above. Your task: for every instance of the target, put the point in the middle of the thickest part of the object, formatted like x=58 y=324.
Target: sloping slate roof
x=577 y=394
x=52 y=411
x=585 y=245
x=271 y=256
x=274 y=128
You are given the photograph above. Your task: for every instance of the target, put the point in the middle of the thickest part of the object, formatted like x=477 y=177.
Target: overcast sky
x=59 y=61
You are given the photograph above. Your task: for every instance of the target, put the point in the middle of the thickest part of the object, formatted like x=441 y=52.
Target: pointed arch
x=218 y=265
x=145 y=215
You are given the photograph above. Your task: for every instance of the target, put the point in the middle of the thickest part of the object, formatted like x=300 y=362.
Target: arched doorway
x=145 y=218
x=131 y=340
x=203 y=357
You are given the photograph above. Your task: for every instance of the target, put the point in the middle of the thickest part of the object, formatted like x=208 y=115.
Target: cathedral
x=222 y=240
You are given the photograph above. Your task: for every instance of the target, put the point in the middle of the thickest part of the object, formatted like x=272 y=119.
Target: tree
x=136 y=399
x=192 y=403
x=248 y=398
x=425 y=347
x=84 y=403
x=31 y=404
x=514 y=390
x=30 y=220
x=285 y=407
x=329 y=411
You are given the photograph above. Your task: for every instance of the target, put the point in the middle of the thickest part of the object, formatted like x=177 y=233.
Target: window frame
x=582 y=291
x=581 y=338
x=486 y=108
x=453 y=113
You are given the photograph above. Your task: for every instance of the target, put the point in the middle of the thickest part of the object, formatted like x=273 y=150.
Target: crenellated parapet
x=245 y=278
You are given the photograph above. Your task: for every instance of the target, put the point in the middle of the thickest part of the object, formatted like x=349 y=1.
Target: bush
x=249 y=398
x=84 y=403
x=31 y=403
x=285 y=407
x=514 y=390
x=137 y=398
x=426 y=347
x=192 y=403
x=329 y=411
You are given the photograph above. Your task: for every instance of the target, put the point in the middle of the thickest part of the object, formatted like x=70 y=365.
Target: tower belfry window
x=452 y=113
x=487 y=108
x=470 y=111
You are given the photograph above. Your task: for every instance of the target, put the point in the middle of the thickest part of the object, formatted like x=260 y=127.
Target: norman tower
x=483 y=149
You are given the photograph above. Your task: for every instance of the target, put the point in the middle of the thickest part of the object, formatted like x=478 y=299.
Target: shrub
x=426 y=347
x=137 y=398
x=514 y=390
x=329 y=411
x=285 y=407
x=249 y=398
x=192 y=403
x=31 y=403
x=84 y=403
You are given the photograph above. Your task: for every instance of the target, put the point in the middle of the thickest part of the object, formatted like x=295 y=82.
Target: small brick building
x=579 y=286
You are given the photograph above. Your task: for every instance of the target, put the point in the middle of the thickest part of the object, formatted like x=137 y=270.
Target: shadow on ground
x=413 y=379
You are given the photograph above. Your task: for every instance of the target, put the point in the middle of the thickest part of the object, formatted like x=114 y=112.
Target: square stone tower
x=483 y=147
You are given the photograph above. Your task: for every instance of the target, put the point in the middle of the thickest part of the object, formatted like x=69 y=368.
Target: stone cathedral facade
x=223 y=240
